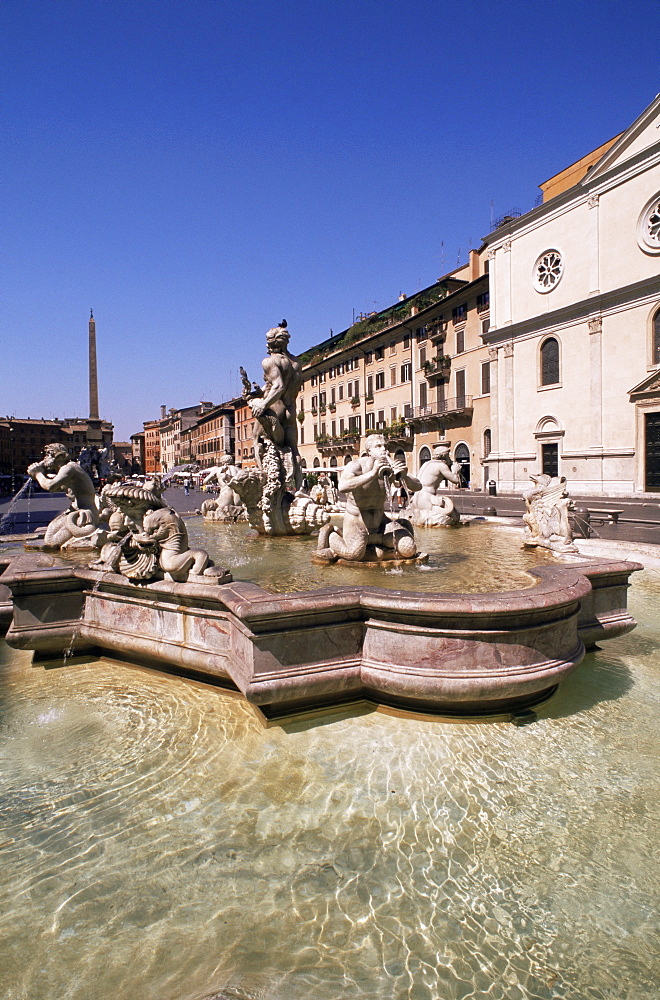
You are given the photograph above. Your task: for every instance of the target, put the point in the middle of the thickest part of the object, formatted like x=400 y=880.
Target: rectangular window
x=378 y=353
x=322 y=377
x=421 y=334
x=459 y=314
x=392 y=414
x=340 y=368
x=354 y=423
x=485 y=325
x=332 y=395
x=333 y=428
x=370 y=421
x=422 y=395
x=370 y=385
x=302 y=434
x=341 y=425
x=460 y=341
x=313 y=379
x=483 y=302
x=392 y=376
x=356 y=363
x=381 y=418
x=406 y=372
x=407 y=410
x=368 y=357
x=341 y=391
x=406 y=342
x=380 y=380
x=422 y=356
x=393 y=347
x=460 y=387
x=321 y=400
x=485 y=378
x=314 y=402
x=323 y=427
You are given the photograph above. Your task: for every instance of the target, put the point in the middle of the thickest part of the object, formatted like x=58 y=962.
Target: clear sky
x=196 y=170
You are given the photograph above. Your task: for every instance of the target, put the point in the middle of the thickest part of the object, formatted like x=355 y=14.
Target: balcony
x=438 y=367
x=448 y=411
x=399 y=433
x=348 y=440
x=437 y=332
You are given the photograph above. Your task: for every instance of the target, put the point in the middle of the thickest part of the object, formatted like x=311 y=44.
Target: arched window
x=656 y=338
x=317 y=463
x=487 y=442
x=550 y=361
x=333 y=462
x=400 y=455
x=347 y=459
x=424 y=455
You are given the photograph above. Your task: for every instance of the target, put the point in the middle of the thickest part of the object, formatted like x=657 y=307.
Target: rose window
x=648 y=227
x=548 y=270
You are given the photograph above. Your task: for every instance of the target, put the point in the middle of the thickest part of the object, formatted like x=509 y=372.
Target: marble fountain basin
x=475 y=654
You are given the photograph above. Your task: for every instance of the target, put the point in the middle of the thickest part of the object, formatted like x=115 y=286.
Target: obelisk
x=94 y=433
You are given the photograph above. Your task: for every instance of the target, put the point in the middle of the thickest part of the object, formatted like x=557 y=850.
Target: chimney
x=163 y=412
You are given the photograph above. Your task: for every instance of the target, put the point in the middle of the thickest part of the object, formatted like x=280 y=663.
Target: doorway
x=462 y=456
x=550 y=459
x=652 y=451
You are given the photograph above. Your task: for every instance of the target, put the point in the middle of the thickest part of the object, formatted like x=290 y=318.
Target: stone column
x=596 y=380
x=506 y=442
x=493 y=354
x=494 y=291
x=504 y=270
x=593 y=246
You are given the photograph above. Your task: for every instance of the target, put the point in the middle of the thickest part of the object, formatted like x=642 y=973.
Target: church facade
x=574 y=336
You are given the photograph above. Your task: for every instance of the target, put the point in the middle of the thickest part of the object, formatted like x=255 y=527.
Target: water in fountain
x=476 y=559
x=26 y=492
x=160 y=843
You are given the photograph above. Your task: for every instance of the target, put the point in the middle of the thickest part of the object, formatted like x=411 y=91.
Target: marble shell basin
x=463 y=654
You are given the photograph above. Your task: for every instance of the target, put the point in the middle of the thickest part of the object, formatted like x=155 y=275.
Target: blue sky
x=195 y=171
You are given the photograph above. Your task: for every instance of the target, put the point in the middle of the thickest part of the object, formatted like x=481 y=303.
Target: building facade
x=416 y=372
x=574 y=336
x=212 y=435
x=22 y=440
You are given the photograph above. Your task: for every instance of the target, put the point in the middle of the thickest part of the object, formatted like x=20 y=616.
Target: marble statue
x=272 y=508
x=274 y=404
x=76 y=527
x=148 y=540
x=428 y=509
x=546 y=516
x=227 y=505
x=368 y=534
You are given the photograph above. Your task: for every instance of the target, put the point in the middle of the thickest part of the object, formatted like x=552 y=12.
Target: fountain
x=152 y=599
x=144 y=813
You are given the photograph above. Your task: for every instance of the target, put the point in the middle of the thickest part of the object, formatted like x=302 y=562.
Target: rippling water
x=284 y=564
x=159 y=844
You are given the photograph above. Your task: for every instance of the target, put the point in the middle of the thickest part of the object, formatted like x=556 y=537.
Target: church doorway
x=652 y=456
